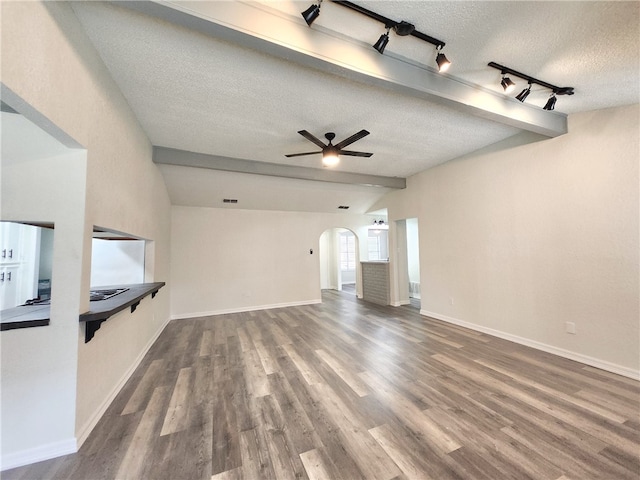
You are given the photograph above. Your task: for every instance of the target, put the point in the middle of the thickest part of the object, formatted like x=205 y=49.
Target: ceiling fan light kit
x=330 y=158
x=330 y=152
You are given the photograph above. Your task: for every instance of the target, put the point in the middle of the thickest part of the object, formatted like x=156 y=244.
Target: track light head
x=442 y=61
x=381 y=44
x=551 y=103
x=507 y=84
x=522 y=96
x=311 y=13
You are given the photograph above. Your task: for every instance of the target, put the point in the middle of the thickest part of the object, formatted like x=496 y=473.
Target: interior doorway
x=339 y=260
x=413 y=262
x=408 y=262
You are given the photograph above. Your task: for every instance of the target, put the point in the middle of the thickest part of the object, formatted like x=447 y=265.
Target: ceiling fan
x=330 y=152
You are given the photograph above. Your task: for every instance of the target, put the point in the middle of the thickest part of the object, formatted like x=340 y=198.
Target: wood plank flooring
x=350 y=390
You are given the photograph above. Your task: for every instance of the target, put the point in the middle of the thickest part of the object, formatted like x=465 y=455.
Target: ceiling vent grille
x=343 y=207
x=230 y=200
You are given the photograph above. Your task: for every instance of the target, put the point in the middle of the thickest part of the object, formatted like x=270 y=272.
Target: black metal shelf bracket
x=91 y=328
x=134 y=306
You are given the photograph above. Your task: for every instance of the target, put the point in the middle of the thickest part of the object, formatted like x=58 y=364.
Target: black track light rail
x=400 y=27
x=557 y=90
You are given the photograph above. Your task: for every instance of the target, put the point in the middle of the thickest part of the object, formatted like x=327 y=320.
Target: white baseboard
x=400 y=303
x=561 y=352
x=38 y=454
x=83 y=433
x=183 y=316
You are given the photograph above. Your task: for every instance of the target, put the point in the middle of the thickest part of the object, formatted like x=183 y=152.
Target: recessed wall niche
x=117 y=258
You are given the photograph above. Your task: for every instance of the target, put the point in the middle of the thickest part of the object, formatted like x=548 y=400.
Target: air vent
x=343 y=207
x=230 y=200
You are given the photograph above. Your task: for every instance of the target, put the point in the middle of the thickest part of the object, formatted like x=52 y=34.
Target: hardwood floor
x=351 y=390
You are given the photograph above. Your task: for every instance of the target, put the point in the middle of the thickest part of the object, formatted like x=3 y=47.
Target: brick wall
x=375 y=282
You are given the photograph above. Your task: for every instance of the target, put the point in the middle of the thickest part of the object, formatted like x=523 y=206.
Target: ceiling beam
x=267 y=30
x=170 y=156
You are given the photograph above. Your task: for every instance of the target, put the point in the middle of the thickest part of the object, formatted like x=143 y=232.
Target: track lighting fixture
x=555 y=90
x=311 y=13
x=402 y=29
x=442 y=61
x=382 y=41
x=551 y=103
x=522 y=96
x=507 y=84
x=378 y=222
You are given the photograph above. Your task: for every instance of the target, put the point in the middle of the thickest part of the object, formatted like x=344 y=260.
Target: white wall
x=58 y=75
x=398 y=264
x=39 y=364
x=326 y=256
x=522 y=238
x=413 y=252
x=226 y=260
x=329 y=255
x=46 y=253
x=117 y=262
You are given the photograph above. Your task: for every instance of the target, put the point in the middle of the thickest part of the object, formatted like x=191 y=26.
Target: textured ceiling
x=199 y=93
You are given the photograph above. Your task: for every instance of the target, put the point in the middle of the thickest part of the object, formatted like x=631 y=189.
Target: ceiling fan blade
x=353 y=138
x=301 y=154
x=312 y=138
x=354 y=154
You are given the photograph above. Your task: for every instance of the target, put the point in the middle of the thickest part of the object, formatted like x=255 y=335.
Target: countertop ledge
x=103 y=309
x=24 y=317
x=28 y=316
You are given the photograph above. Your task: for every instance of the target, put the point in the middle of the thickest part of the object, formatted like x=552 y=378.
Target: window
x=347 y=252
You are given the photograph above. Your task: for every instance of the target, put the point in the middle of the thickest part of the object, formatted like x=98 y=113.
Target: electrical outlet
x=451 y=300
x=570 y=327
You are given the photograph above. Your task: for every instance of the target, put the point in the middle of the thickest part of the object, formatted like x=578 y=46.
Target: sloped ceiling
x=197 y=91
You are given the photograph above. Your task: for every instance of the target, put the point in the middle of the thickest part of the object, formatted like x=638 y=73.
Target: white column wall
x=58 y=74
x=38 y=366
x=413 y=250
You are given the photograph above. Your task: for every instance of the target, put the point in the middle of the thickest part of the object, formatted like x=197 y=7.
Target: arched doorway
x=339 y=260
